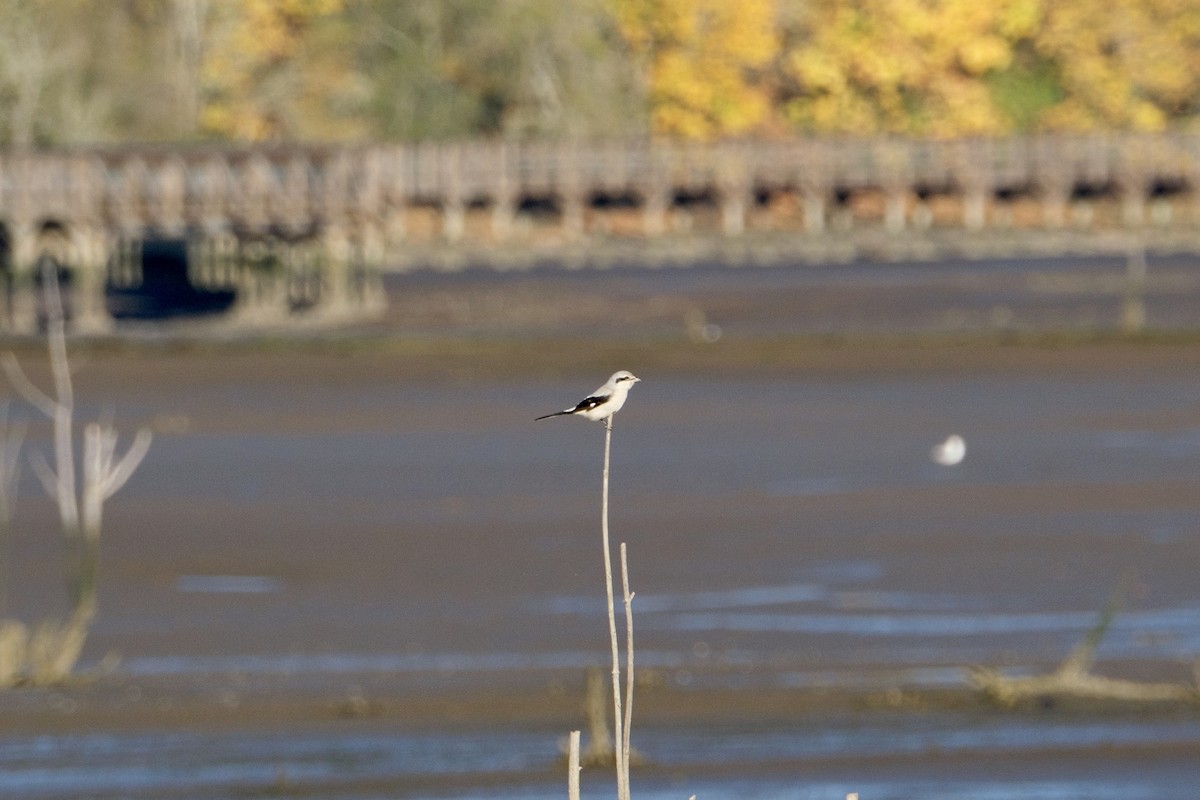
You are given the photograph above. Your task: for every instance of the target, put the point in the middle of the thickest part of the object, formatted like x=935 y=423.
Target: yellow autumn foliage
x=905 y=66
x=352 y=69
x=702 y=62
x=263 y=76
x=1123 y=63
x=961 y=67
x=710 y=68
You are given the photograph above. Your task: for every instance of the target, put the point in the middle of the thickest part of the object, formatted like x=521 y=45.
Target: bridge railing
x=361 y=206
x=300 y=189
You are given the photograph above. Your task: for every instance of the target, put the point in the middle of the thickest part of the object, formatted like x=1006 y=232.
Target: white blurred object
x=949 y=452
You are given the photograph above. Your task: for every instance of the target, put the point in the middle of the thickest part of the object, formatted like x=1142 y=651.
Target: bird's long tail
x=555 y=414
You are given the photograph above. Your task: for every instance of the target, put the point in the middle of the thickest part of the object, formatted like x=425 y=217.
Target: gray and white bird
x=604 y=402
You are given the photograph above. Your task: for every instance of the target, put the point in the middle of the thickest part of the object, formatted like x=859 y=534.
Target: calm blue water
x=963 y=756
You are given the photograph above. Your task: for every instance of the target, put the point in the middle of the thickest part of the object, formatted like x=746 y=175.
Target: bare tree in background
x=26 y=68
x=453 y=68
x=188 y=17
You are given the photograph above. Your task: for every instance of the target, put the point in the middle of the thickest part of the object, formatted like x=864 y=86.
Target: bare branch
x=118 y=475
x=97 y=456
x=64 y=398
x=41 y=468
x=26 y=388
x=12 y=437
x=10 y=451
x=622 y=789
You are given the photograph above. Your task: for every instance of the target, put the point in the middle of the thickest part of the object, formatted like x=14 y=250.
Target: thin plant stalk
x=59 y=480
x=618 y=755
x=625 y=733
x=573 y=766
x=11 y=438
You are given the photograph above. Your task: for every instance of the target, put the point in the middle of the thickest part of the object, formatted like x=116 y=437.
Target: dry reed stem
x=573 y=766
x=622 y=789
x=626 y=752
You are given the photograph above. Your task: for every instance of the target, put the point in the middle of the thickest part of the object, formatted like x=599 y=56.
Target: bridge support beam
x=23 y=301
x=262 y=297
x=975 y=207
x=1134 y=189
x=372 y=300
x=895 y=215
x=734 y=202
x=337 y=255
x=504 y=212
x=733 y=188
x=1056 y=193
x=814 y=201
x=90 y=313
x=454 y=218
x=655 y=202
x=572 y=213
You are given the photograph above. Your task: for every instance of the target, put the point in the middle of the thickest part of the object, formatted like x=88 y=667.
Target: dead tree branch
x=1073 y=677
x=54 y=648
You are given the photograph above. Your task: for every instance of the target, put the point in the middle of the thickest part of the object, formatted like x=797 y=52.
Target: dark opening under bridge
x=285 y=234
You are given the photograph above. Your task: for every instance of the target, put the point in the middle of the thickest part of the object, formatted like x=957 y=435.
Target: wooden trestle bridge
x=294 y=233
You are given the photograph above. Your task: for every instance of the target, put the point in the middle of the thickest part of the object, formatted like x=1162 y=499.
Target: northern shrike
x=604 y=402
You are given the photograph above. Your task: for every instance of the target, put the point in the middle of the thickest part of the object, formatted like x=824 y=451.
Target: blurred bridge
x=301 y=233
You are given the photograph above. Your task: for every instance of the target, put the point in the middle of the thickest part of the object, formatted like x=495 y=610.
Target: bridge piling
x=89 y=313
x=24 y=254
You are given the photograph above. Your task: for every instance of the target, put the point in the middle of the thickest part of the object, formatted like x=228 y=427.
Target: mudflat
x=370 y=535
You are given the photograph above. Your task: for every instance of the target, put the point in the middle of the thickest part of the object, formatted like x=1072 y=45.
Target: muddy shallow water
x=360 y=534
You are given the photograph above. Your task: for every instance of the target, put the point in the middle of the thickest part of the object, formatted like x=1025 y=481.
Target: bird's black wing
x=588 y=403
